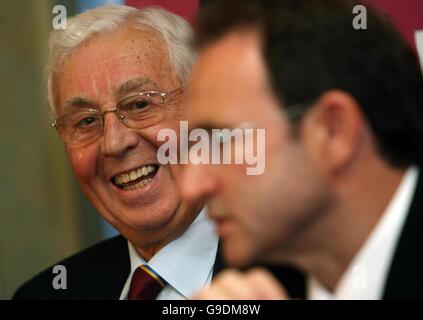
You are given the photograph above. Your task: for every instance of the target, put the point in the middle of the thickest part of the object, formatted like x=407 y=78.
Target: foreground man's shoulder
x=81 y=275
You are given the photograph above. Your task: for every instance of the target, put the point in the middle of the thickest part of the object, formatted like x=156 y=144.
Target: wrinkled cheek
x=84 y=163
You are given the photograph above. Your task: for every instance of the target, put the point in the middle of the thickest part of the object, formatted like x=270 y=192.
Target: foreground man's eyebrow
x=208 y=126
x=136 y=84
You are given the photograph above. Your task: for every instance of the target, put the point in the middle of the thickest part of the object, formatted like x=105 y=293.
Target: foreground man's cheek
x=255 y=284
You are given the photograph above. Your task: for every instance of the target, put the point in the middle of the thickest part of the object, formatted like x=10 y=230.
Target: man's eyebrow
x=78 y=102
x=127 y=87
x=134 y=84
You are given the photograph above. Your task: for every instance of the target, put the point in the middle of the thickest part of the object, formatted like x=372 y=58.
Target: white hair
x=174 y=31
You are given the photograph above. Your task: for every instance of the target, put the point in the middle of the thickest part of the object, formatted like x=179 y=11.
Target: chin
x=238 y=254
x=147 y=218
x=150 y=218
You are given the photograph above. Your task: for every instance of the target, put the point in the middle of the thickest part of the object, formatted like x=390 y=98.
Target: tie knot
x=145 y=284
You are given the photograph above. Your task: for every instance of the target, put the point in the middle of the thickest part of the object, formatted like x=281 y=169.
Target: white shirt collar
x=186 y=263
x=365 y=278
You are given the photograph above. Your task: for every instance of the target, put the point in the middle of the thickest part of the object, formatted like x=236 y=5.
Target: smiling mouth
x=137 y=178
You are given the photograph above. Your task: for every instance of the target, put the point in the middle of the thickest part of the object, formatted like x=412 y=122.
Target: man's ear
x=333 y=131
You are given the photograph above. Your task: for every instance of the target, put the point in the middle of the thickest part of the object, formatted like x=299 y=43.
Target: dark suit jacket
x=405 y=277
x=100 y=272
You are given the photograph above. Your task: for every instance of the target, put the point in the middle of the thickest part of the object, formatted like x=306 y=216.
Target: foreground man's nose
x=196 y=183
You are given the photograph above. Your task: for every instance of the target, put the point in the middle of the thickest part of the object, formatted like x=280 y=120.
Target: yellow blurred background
x=43 y=215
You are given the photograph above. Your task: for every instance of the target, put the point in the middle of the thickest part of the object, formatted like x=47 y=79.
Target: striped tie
x=145 y=284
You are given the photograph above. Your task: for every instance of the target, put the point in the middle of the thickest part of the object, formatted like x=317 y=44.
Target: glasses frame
x=293 y=112
x=165 y=95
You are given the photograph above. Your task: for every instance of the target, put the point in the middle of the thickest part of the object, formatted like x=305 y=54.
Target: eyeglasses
x=138 y=111
x=293 y=113
x=222 y=137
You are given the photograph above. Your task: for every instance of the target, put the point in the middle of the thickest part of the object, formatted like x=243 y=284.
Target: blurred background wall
x=43 y=215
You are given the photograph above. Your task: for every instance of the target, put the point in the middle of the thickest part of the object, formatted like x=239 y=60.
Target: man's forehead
x=230 y=66
x=104 y=52
x=125 y=39
x=234 y=58
x=228 y=70
x=115 y=64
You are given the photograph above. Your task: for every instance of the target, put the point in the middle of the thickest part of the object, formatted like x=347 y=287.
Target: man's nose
x=197 y=182
x=117 y=138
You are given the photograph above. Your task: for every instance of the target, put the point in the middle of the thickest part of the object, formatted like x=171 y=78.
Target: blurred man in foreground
x=115 y=78
x=340 y=198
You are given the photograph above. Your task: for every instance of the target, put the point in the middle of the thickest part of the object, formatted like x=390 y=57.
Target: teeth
x=144 y=171
x=134 y=175
x=140 y=184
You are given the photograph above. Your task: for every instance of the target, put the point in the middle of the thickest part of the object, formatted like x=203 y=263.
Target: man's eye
x=85 y=122
x=139 y=105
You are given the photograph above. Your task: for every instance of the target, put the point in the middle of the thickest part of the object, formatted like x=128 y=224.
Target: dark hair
x=310 y=46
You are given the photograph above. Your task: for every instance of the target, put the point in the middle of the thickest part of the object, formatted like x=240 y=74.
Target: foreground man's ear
x=334 y=131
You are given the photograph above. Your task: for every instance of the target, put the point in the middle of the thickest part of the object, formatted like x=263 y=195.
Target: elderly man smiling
x=115 y=78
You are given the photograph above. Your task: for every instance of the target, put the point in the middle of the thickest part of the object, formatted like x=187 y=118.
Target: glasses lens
x=80 y=127
x=143 y=110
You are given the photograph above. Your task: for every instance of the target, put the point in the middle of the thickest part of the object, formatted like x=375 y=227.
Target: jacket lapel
x=405 y=278
x=111 y=272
